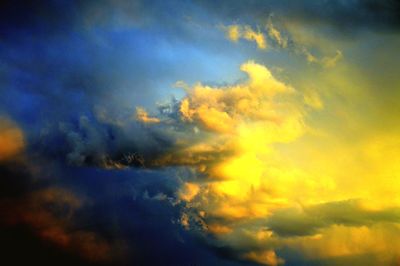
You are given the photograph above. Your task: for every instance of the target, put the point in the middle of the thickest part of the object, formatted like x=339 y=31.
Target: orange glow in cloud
x=11 y=139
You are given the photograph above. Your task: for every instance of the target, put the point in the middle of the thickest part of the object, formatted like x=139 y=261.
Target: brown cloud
x=50 y=213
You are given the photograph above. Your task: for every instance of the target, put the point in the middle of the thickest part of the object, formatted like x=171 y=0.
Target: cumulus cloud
x=223 y=109
x=237 y=124
x=222 y=120
x=246 y=189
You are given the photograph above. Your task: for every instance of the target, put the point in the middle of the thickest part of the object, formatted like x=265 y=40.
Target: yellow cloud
x=312 y=99
x=256 y=36
x=276 y=35
x=236 y=32
x=247 y=119
x=219 y=229
x=338 y=241
x=189 y=191
x=267 y=257
x=233 y=32
x=307 y=43
x=331 y=61
x=275 y=174
x=222 y=109
x=143 y=116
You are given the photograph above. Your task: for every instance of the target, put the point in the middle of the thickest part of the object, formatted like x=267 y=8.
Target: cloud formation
x=291 y=158
x=293 y=41
x=246 y=189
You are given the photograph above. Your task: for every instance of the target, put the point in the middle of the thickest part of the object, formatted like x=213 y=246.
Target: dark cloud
x=349 y=16
x=86 y=216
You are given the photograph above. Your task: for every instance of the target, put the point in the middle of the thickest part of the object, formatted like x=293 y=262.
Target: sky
x=138 y=132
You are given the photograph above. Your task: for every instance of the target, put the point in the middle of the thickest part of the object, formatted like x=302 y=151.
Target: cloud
x=38 y=211
x=312 y=99
x=267 y=257
x=326 y=61
x=311 y=219
x=224 y=109
x=189 y=191
x=236 y=126
x=267 y=170
x=292 y=40
x=355 y=244
x=50 y=212
x=251 y=151
x=369 y=14
x=236 y=32
x=276 y=35
x=233 y=32
x=12 y=141
x=331 y=61
x=143 y=116
x=232 y=132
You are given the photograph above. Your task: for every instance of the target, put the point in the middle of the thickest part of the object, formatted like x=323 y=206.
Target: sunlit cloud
x=200 y=132
x=276 y=35
x=300 y=43
x=246 y=32
x=248 y=183
x=143 y=116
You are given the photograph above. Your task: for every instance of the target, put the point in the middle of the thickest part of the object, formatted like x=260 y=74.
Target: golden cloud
x=267 y=257
x=143 y=116
x=236 y=32
x=267 y=181
x=302 y=41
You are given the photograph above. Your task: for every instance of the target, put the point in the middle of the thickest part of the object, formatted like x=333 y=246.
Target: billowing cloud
x=245 y=143
x=236 y=127
x=246 y=192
